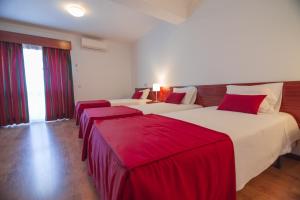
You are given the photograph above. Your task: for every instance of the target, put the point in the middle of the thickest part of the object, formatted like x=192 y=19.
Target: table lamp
x=156 y=88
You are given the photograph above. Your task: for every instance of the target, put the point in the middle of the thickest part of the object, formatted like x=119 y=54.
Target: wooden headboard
x=211 y=95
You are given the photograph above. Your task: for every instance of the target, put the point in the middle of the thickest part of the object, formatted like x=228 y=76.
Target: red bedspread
x=152 y=157
x=91 y=114
x=81 y=105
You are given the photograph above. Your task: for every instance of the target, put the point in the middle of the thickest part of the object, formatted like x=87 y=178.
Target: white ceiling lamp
x=75 y=10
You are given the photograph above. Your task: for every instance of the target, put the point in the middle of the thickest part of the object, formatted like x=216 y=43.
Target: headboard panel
x=291 y=99
x=211 y=95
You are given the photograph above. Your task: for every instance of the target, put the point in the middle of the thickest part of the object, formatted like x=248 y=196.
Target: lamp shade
x=156 y=87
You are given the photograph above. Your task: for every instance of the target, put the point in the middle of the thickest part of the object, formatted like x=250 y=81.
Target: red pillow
x=137 y=95
x=242 y=103
x=175 y=97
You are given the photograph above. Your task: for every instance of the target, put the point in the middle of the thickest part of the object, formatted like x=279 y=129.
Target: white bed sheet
x=127 y=102
x=258 y=139
x=158 y=108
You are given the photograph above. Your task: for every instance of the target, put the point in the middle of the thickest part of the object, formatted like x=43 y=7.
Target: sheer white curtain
x=33 y=61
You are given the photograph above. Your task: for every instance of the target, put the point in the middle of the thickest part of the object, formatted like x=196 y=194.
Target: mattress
x=127 y=102
x=158 y=108
x=258 y=139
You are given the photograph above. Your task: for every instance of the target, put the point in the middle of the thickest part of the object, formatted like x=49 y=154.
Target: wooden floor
x=42 y=161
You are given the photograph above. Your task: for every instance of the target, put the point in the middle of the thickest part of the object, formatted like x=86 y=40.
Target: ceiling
x=171 y=11
x=104 y=18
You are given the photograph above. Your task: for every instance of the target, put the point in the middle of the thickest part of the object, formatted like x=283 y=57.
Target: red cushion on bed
x=241 y=103
x=137 y=95
x=175 y=98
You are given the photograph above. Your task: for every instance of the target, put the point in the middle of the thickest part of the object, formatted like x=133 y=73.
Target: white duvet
x=158 y=108
x=127 y=102
x=258 y=139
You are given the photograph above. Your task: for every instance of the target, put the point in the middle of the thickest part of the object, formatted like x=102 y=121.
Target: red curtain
x=13 y=93
x=58 y=83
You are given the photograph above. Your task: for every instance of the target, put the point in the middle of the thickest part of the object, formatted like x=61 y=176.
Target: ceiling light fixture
x=75 y=10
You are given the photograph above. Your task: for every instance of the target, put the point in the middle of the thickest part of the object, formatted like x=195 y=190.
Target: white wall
x=224 y=41
x=96 y=74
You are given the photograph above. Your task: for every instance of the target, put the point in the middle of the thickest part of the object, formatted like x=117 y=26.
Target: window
x=33 y=61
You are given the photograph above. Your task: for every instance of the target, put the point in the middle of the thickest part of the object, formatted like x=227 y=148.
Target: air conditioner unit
x=94 y=44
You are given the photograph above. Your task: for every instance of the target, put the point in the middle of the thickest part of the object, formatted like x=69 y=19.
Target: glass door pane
x=33 y=60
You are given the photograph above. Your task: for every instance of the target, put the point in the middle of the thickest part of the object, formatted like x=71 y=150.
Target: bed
x=92 y=114
x=125 y=178
x=81 y=105
x=154 y=157
x=140 y=99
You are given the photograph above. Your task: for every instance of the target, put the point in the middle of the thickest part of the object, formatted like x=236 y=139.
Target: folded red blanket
x=81 y=105
x=154 y=157
x=91 y=114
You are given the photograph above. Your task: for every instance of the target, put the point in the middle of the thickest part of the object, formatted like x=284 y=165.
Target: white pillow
x=145 y=93
x=273 y=91
x=190 y=94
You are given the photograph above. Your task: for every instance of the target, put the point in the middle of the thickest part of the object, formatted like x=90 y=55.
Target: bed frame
x=211 y=95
